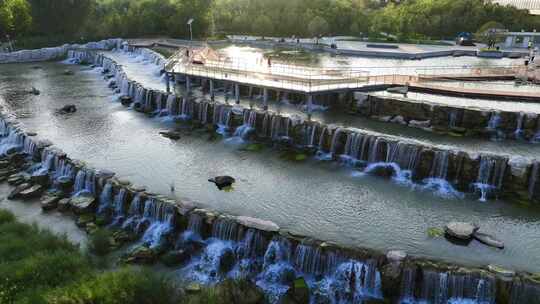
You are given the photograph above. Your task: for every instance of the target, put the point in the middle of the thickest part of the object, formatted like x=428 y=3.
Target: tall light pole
x=190 y=22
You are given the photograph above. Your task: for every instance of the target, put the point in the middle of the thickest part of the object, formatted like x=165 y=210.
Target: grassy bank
x=39 y=267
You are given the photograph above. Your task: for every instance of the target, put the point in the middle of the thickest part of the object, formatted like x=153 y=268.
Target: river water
x=318 y=199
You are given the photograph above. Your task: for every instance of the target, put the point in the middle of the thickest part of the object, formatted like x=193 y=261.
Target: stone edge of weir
x=396 y=268
x=512 y=178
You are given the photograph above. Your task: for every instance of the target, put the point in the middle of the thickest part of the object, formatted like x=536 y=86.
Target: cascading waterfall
x=80 y=182
x=172 y=105
x=185 y=108
x=134 y=212
x=438 y=177
x=444 y=287
x=29 y=146
x=203 y=112
x=248 y=125
x=105 y=199
x=226 y=230
x=493 y=126
x=222 y=118
x=352 y=148
x=277 y=269
x=452 y=119
x=118 y=212
x=12 y=143
x=518 y=133
x=160 y=217
x=406 y=157
x=85 y=182
x=490 y=176
x=47 y=163
x=335 y=140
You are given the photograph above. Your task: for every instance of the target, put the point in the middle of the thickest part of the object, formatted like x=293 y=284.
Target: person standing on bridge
x=269 y=62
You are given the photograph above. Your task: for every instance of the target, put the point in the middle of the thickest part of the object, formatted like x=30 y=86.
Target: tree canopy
x=93 y=19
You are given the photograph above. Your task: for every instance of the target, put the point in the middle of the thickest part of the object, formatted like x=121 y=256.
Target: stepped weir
x=220 y=246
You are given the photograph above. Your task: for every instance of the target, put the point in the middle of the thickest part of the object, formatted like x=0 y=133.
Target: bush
x=100 y=242
x=6 y=217
x=123 y=286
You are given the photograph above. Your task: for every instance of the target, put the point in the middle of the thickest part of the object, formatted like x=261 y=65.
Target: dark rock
x=16 y=192
x=106 y=174
x=31 y=134
x=64 y=183
x=460 y=230
x=40 y=178
x=222 y=181
x=227 y=260
x=67 y=109
x=68 y=72
x=84 y=220
x=175 y=258
x=31 y=192
x=239 y=292
x=83 y=203
x=64 y=205
x=49 y=202
x=488 y=240
x=382 y=169
x=35 y=91
x=141 y=255
x=126 y=100
x=298 y=293
x=16 y=179
x=170 y=134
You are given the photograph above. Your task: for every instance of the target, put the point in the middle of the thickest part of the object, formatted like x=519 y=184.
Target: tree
x=15 y=18
x=318 y=26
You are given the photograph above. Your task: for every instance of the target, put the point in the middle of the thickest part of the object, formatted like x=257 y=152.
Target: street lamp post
x=190 y=22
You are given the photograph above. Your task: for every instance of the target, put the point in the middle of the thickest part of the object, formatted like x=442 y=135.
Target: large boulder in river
x=460 y=230
x=222 y=181
x=83 y=203
x=67 y=109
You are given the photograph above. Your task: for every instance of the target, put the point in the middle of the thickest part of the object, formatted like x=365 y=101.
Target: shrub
x=123 y=286
x=6 y=217
x=99 y=242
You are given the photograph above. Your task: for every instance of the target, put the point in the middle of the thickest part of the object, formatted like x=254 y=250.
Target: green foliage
x=99 y=242
x=446 y=18
x=15 y=18
x=38 y=267
x=122 y=286
x=435 y=232
x=6 y=217
x=38 y=23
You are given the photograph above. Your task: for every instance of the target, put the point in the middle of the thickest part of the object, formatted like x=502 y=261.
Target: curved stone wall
x=56 y=53
x=456 y=121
